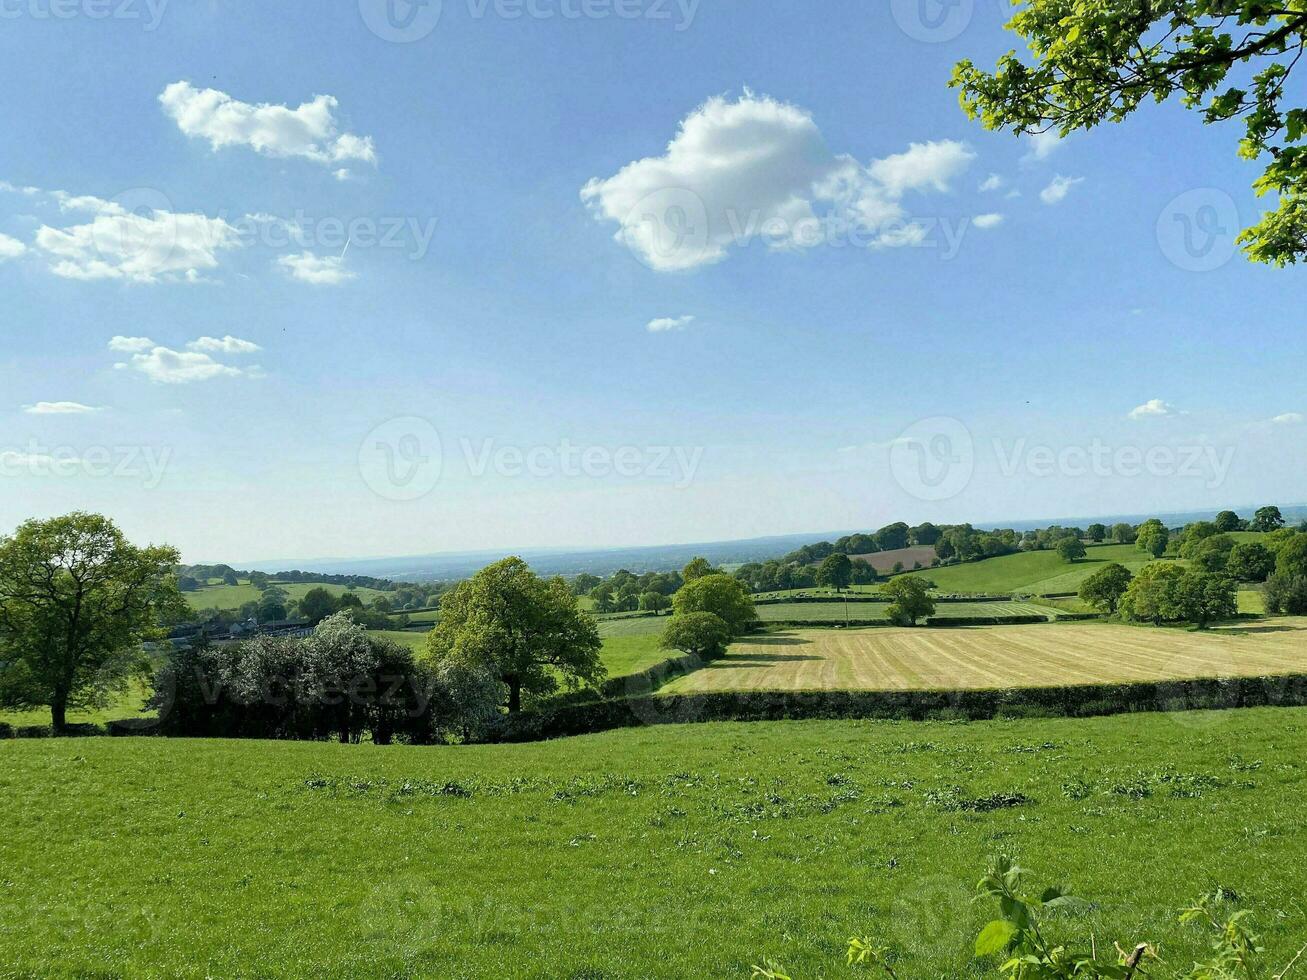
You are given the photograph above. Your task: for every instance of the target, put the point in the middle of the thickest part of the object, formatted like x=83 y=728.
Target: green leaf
x=995 y=937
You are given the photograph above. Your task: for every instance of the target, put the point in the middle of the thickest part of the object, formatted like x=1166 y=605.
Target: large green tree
x=835 y=572
x=700 y=634
x=1106 y=586
x=720 y=595
x=1095 y=61
x=911 y=597
x=76 y=602
x=525 y=630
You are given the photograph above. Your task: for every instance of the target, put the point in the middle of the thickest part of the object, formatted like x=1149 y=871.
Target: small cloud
x=665 y=323
x=316 y=270
x=10 y=248
x=1154 y=408
x=130 y=345
x=166 y=366
x=992 y=183
x=987 y=220
x=1288 y=418
x=1060 y=187
x=309 y=131
x=341 y=174
x=224 y=345
x=1041 y=145
x=59 y=408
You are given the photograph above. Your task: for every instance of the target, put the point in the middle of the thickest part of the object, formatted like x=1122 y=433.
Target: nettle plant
x=1022 y=951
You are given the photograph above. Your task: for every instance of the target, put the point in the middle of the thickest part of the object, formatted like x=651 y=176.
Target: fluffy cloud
x=1288 y=418
x=665 y=323
x=177 y=367
x=145 y=247
x=130 y=345
x=923 y=166
x=316 y=270
x=759 y=167
x=10 y=248
x=1060 y=187
x=309 y=131
x=224 y=345
x=987 y=220
x=59 y=408
x=167 y=366
x=992 y=183
x=1153 y=408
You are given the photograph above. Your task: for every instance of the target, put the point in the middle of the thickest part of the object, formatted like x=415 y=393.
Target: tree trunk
x=59 y=712
x=514 y=697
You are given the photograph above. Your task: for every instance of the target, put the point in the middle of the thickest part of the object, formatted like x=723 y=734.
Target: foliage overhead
x=1095 y=61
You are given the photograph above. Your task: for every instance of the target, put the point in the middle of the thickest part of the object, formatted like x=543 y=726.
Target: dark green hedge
x=1071 y=701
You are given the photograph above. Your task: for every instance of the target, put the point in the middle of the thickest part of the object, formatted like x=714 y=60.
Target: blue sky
x=487 y=377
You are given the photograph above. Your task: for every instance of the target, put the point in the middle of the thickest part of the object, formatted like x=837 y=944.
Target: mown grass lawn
x=1042 y=655
x=666 y=852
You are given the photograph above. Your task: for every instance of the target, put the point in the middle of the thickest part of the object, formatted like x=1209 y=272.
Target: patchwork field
x=896 y=659
x=676 y=851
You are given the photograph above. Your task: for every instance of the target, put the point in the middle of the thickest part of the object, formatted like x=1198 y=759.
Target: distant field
x=1031 y=571
x=884 y=561
x=234 y=596
x=896 y=659
x=835 y=612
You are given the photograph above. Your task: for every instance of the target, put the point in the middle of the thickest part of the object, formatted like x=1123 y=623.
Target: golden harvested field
x=897 y=659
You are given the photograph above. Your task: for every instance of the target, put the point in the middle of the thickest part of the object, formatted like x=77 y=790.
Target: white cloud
x=1288 y=418
x=130 y=345
x=1042 y=144
x=987 y=220
x=224 y=345
x=144 y=247
x=309 y=131
x=59 y=408
x=1153 y=408
x=754 y=168
x=9 y=188
x=665 y=323
x=1057 y=191
x=167 y=366
x=10 y=248
x=87 y=202
x=923 y=166
x=316 y=270
x=992 y=183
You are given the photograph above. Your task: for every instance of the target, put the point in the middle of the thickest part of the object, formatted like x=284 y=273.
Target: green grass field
x=234 y=596
x=894 y=658
x=1032 y=572
x=667 y=852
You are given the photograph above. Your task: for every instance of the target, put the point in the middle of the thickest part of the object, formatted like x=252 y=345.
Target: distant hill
x=602 y=562
x=660 y=558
